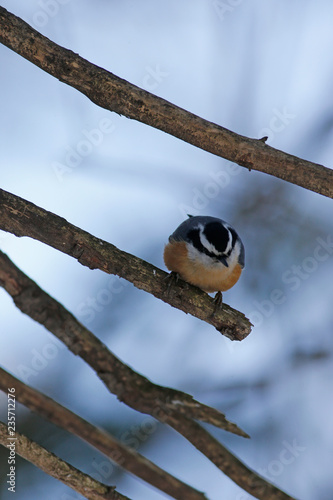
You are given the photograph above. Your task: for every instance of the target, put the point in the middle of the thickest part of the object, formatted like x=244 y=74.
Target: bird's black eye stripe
x=193 y=237
x=217 y=235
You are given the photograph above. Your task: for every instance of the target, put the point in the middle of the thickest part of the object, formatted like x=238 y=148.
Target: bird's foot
x=218 y=301
x=171 y=278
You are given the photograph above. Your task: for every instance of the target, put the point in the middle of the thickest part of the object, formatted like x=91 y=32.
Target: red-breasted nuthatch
x=206 y=252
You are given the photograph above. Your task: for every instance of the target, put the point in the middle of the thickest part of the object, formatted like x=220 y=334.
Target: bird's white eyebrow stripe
x=205 y=243
x=230 y=242
x=210 y=247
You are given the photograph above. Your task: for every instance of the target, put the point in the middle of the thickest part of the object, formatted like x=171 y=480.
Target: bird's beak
x=224 y=261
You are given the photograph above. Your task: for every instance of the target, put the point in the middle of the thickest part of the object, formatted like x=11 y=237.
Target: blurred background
x=257 y=68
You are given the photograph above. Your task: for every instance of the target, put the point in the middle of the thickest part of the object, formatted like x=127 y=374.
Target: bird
x=206 y=252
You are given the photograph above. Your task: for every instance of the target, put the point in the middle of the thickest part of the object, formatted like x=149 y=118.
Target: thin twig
x=115 y=94
x=228 y=463
x=58 y=468
x=126 y=457
x=167 y=405
x=23 y=218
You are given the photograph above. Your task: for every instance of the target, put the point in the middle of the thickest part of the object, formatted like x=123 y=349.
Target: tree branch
x=175 y=408
x=115 y=94
x=119 y=453
x=224 y=460
x=59 y=469
x=23 y=218
x=130 y=387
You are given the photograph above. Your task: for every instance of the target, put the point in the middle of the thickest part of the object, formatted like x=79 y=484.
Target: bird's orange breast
x=209 y=278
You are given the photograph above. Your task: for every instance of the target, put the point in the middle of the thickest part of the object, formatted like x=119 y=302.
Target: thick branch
x=115 y=94
x=132 y=388
x=59 y=469
x=23 y=218
x=169 y=406
x=126 y=457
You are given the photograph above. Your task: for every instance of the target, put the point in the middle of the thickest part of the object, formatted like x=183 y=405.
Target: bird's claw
x=218 y=301
x=171 y=278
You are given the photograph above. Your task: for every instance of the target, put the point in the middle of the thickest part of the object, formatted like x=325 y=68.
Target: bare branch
x=115 y=94
x=167 y=405
x=131 y=388
x=59 y=469
x=228 y=463
x=126 y=457
x=23 y=218
x=132 y=461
